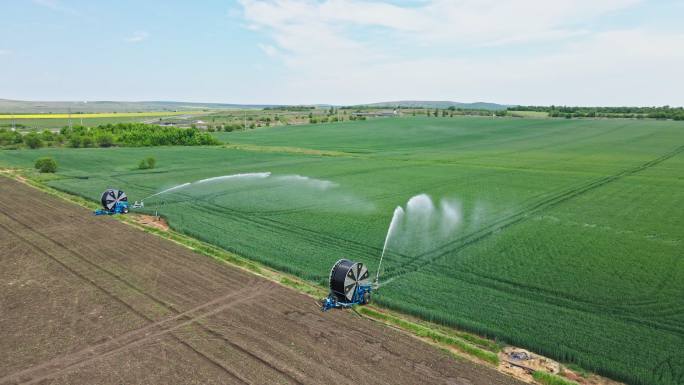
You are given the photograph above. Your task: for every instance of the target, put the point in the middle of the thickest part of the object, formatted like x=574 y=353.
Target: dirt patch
x=13 y=173
x=158 y=223
x=88 y=299
x=521 y=363
x=587 y=379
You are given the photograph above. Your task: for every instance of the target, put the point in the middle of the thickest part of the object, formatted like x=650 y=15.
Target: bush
x=75 y=141
x=104 y=139
x=151 y=162
x=48 y=136
x=147 y=163
x=87 y=141
x=46 y=164
x=10 y=137
x=32 y=140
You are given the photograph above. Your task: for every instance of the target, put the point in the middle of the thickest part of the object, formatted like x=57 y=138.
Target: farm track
x=168 y=315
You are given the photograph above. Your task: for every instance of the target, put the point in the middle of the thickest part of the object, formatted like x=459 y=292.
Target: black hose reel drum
x=111 y=197
x=345 y=277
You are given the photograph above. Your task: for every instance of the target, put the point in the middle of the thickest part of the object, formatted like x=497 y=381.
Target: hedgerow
x=136 y=135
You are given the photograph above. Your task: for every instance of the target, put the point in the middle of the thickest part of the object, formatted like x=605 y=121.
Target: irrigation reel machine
x=349 y=286
x=116 y=202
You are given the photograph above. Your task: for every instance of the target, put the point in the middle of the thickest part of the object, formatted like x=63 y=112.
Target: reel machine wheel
x=111 y=197
x=345 y=277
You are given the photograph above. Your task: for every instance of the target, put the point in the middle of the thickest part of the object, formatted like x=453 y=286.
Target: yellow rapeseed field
x=95 y=115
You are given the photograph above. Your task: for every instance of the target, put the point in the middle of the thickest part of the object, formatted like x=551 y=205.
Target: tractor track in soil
x=62 y=363
x=145 y=294
x=92 y=300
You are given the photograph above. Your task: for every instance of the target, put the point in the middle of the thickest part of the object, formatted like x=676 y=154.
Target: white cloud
x=52 y=4
x=472 y=21
x=138 y=36
x=269 y=50
x=466 y=50
x=57 y=6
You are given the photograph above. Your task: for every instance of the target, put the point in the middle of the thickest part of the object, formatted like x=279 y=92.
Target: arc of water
x=396 y=217
x=213 y=179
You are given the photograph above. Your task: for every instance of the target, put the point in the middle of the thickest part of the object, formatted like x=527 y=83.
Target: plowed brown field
x=90 y=300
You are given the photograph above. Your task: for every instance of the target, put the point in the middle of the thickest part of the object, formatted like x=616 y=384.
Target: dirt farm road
x=90 y=300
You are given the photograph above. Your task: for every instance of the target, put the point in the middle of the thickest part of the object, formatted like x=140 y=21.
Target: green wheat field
x=569 y=238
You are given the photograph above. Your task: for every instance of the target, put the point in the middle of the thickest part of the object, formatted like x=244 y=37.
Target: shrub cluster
x=46 y=164
x=136 y=135
x=108 y=135
x=147 y=163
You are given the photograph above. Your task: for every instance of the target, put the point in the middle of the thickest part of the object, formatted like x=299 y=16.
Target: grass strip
x=551 y=379
x=437 y=337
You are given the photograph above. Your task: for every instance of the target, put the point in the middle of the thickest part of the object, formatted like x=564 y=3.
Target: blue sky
x=579 y=52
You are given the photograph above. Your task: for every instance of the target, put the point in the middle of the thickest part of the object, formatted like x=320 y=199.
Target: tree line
x=109 y=135
x=664 y=112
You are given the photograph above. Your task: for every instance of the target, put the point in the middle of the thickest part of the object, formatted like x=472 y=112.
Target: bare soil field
x=90 y=300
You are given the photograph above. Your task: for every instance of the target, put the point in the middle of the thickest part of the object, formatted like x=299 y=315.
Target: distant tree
x=75 y=141
x=46 y=164
x=47 y=136
x=32 y=140
x=104 y=139
x=87 y=141
x=10 y=137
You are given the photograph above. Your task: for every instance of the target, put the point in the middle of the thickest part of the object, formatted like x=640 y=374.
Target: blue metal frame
x=331 y=301
x=119 y=208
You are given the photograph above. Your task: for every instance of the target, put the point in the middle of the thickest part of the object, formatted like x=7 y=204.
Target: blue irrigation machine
x=115 y=202
x=349 y=286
